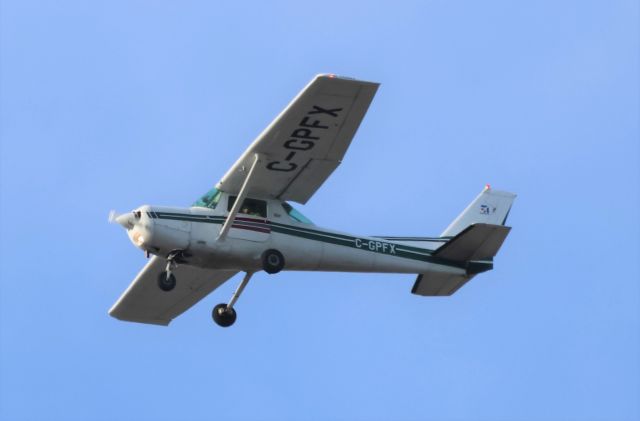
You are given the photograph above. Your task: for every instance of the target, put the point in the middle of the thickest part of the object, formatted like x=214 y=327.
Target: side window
x=251 y=207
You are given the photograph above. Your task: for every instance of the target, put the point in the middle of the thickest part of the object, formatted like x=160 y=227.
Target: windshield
x=209 y=200
x=295 y=215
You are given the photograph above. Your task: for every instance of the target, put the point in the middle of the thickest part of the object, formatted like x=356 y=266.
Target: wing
x=144 y=302
x=306 y=142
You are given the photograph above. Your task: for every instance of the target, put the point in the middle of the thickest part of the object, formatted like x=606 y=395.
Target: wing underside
x=144 y=302
x=306 y=142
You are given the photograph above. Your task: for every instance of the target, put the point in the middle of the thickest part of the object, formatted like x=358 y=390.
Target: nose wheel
x=167 y=280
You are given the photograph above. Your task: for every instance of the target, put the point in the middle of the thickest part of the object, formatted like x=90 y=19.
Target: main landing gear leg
x=166 y=279
x=224 y=314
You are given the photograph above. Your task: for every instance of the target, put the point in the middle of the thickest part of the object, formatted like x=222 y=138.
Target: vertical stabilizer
x=490 y=207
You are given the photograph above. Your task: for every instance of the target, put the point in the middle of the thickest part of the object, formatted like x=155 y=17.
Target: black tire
x=166 y=283
x=272 y=261
x=223 y=316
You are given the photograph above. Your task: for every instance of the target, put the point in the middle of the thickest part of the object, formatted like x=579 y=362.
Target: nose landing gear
x=167 y=280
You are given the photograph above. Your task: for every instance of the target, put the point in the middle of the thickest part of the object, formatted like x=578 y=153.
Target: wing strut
x=236 y=206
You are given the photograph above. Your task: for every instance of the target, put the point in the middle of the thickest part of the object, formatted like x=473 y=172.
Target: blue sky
x=112 y=104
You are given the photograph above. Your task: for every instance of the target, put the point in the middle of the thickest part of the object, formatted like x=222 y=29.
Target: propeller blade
x=112 y=216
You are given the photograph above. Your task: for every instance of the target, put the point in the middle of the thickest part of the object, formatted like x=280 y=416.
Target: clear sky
x=113 y=104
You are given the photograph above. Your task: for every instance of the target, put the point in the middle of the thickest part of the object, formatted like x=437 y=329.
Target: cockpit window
x=252 y=207
x=209 y=200
x=295 y=215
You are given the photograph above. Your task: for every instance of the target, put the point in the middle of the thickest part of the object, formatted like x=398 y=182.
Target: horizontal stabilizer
x=476 y=242
x=438 y=284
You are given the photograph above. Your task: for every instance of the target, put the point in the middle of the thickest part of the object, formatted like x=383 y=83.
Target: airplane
x=246 y=223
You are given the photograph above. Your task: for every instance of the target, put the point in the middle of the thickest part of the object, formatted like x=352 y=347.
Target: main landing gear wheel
x=166 y=281
x=223 y=315
x=272 y=261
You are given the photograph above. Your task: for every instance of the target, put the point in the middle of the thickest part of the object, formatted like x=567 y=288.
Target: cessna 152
x=245 y=223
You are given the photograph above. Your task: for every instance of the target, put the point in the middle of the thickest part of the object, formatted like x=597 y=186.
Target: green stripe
x=407 y=252
x=429 y=239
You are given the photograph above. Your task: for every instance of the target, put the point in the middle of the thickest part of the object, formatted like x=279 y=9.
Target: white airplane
x=245 y=223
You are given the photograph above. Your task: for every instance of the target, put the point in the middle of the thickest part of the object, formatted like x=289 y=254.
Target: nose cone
x=126 y=220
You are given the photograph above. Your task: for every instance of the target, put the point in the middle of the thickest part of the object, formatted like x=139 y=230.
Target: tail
x=475 y=237
x=490 y=207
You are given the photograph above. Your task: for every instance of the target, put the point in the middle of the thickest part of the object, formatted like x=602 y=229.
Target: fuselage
x=272 y=224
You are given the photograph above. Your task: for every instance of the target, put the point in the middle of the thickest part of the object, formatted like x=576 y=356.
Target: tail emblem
x=487 y=210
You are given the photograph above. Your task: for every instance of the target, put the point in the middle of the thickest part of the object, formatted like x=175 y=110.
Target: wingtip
x=340 y=77
x=136 y=319
x=334 y=76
